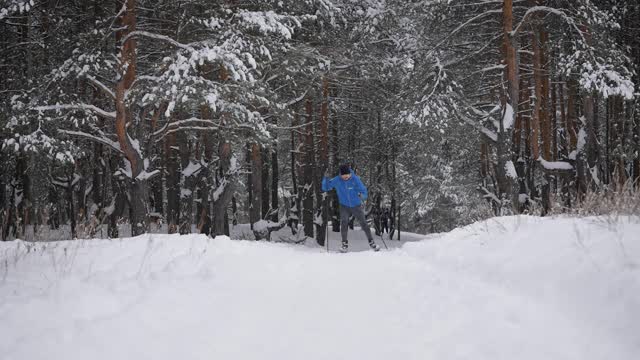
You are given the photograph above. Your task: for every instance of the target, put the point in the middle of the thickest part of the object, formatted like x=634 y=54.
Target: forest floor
x=506 y=288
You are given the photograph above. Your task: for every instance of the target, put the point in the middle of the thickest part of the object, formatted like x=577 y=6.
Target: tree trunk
x=71 y=208
x=324 y=162
x=540 y=122
x=335 y=205
x=564 y=143
x=27 y=196
x=545 y=123
x=571 y=117
x=636 y=156
x=554 y=131
x=110 y=195
x=592 y=138
x=204 y=183
x=510 y=99
x=157 y=184
x=294 y=216
x=537 y=109
x=172 y=183
x=138 y=187
x=309 y=160
x=619 y=121
x=224 y=193
x=266 y=205
x=234 y=211
x=274 y=184
x=255 y=200
x=3 y=201
x=186 y=184
x=98 y=177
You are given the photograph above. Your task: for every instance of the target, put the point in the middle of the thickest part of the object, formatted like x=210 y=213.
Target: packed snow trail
x=508 y=288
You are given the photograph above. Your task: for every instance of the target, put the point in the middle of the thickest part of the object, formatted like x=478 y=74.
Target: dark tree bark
x=335 y=205
x=226 y=187
x=3 y=202
x=27 y=195
x=636 y=159
x=266 y=205
x=509 y=99
x=323 y=162
x=138 y=187
x=71 y=206
x=234 y=211
x=255 y=200
x=204 y=183
x=294 y=217
x=172 y=183
x=274 y=185
x=110 y=195
x=309 y=159
x=186 y=184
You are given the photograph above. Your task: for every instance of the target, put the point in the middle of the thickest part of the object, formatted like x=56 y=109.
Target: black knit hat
x=345 y=169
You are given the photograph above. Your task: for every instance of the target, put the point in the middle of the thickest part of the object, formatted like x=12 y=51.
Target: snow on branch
x=559 y=168
x=164 y=38
x=508 y=117
x=491 y=135
x=7 y=8
x=95 y=109
x=536 y=9
x=456 y=30
x=112 y=144
x=101 y=86
x=555 y=165
x=187 y=123
x=488 y=194
x=192 y=169
x=144 y=175
x=510 y=170
x=270 y=22
x=297 y=100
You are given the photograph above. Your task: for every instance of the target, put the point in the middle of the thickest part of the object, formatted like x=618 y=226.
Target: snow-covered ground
x=507 y=288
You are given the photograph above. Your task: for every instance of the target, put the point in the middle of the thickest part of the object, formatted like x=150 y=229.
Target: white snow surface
x=507 y=288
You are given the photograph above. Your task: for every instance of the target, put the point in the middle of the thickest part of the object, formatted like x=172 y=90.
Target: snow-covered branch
x=190 y=122
x=556 y=167
x=297 y=100
x=456 y=30
x=550 y=10
x=164 y=38
x=101 y=86
x=93 y=108
x=112 y=144
x=491 y=135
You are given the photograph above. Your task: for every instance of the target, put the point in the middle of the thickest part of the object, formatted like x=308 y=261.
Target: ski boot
x=374 y=246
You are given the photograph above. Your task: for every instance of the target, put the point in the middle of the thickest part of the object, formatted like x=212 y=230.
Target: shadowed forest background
x=123 y=117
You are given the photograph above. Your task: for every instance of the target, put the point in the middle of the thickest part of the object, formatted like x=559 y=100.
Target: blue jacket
x=349 y=191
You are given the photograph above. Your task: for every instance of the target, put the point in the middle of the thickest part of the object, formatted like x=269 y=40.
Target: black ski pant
x=358 y=213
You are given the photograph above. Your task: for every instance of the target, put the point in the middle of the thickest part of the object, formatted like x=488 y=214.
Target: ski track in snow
x=507 y=288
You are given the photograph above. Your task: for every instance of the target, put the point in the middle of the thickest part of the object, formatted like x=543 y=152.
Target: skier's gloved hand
x=327 y=174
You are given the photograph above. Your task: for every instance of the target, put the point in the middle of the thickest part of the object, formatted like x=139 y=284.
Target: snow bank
x=508 y=288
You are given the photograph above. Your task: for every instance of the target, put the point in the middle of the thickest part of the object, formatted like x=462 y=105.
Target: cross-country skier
x=351 y=192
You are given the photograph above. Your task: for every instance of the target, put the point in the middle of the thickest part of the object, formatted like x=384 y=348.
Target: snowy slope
x=508 y=288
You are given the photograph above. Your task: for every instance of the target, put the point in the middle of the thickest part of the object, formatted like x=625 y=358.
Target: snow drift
x=508 y=288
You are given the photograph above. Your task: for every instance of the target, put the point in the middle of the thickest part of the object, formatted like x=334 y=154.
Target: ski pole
x=382 y=239
x=326 y=223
